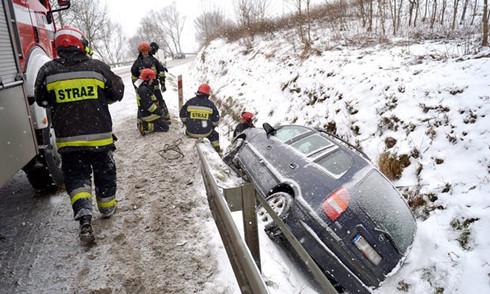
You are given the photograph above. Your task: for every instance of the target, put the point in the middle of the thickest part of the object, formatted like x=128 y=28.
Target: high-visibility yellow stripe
x=215 y=143
x=192 y=135
x=81 y=195
x=152 y=108
x=202 y=109
x=76 y=89
x=94 y=143
x=107 y=204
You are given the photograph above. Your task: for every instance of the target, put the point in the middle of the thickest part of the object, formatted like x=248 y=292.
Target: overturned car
x=348 y=216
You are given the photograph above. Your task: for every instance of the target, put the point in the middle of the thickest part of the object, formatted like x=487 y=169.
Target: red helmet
x=144 y=47
x=147 y=74
x=248 y=116
x=70 y=36
x=204 y=89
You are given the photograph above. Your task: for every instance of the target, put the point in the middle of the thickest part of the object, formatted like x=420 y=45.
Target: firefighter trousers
x=162 y=104
x=78 y=167
x=213 y=138
x=158 y=125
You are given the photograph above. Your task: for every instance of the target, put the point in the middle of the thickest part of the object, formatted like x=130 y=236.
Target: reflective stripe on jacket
x=78 y=90
x=200 y=116
x=148 y=108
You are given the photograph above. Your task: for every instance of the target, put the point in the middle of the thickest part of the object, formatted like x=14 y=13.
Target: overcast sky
x=129 y=13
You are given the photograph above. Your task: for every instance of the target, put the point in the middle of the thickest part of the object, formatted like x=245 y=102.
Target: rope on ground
x=172 y=151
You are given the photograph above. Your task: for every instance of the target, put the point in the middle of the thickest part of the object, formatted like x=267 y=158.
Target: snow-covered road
x=161 y=239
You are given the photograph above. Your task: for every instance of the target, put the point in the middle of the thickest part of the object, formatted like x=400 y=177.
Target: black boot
x=86 y=233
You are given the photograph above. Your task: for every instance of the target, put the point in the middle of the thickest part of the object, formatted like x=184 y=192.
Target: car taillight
x=336 y=204
x=366 y=249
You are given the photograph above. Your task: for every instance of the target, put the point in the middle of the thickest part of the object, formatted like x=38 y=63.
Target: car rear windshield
x=289 y=132
x=379 y=199
x=337 y=162
x=312 y=144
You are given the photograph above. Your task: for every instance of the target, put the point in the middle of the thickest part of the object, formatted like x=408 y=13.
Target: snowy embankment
x=432 y=100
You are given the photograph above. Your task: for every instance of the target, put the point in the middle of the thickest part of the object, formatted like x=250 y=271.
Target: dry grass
x=392 y=166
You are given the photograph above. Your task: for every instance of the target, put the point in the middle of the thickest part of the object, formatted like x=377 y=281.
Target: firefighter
x=246 y=121
x=146 y=60
x=149 y=111
x=161 y=70
x=77 y=90
x=200 y=116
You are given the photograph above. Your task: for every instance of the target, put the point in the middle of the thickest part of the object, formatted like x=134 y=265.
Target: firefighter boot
x=107 y=212
x=86 y=233
x=141 y=127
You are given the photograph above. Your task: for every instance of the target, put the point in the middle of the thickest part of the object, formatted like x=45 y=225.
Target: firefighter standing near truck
x=200 y=117
x=149 y=112
x=78 y=90
x=146 y=60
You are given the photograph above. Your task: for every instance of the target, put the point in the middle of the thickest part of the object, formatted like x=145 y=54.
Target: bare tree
x=475 y=8
x=425 y=10
x=443 y=10
x=434 y=13
x=171 y=23
x=362 y=12
x=411 y=7
x=485 y=24
x=89 y=17
x=104 y=37
x=112 y=47
x=455 y=12
x=382 y=15
x=463 y=13
x=250 y=13
x=209 y=26
x=370 y=16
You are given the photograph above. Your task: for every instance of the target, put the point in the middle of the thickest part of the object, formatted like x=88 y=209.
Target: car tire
x=281 y=203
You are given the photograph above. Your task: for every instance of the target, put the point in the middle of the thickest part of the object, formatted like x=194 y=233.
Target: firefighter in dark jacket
x=201 y=116
x=146 y=60
x=246 y=121
x=149 y=111
x=78 y=89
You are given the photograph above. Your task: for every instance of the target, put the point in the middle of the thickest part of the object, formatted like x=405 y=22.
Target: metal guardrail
x=246 y=271
x=244 y=198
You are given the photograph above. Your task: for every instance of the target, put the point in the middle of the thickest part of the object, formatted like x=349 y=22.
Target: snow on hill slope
x=432 y=100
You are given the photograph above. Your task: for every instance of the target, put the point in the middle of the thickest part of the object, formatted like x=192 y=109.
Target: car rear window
x=312 y=144
x=337 y=162
x=384 y=205
x=289 y=132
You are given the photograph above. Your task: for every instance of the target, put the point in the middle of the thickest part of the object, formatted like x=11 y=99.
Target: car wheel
x=280 y=202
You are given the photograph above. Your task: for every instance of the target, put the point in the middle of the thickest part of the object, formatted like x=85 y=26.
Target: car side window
x=312 y=143
x=337 y=162
x=289 y=132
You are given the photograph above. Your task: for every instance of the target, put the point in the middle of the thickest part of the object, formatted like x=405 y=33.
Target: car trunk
x=377 y=224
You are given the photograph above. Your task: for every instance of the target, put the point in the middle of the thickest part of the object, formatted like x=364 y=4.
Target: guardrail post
x=180 y=91
x=250 y=222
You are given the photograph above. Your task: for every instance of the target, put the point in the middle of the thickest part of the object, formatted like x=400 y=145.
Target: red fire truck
x=26 y=139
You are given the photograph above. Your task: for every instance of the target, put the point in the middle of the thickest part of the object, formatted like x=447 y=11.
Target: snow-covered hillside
x=429 y=97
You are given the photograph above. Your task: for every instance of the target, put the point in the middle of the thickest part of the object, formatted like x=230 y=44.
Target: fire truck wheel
x=53 y=160
x=39 y=176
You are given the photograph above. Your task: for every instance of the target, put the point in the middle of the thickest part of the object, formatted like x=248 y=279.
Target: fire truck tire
x=39 y=175
x=53 y=160
x=44 y=171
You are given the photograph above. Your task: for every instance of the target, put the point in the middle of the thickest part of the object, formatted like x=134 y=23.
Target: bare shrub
x=392 y=165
